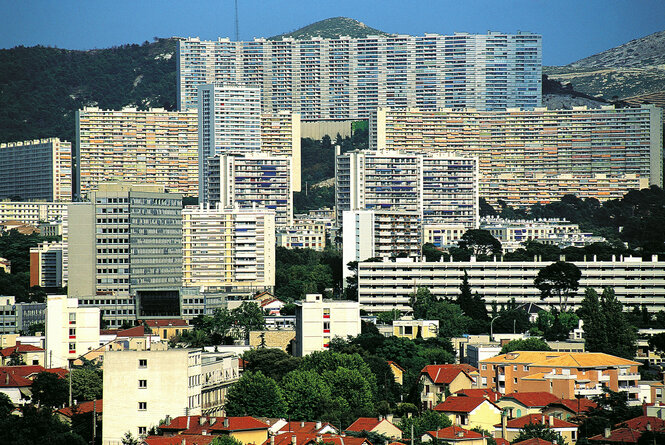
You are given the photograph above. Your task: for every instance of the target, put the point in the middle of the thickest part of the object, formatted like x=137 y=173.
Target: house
x=378 y=425
x=313 y=439
x=512 y=427
x=316 y=428
x=566 y=409
x=470 y=412
x=245 y=429
x=16 y=381
x=397 y=371
x=454 y=435
x=520 y=404
x=490 y=395
x=167 y=328
x=631 y=431
x=439 y=381
x=272 y=306
x=264 y=296
x=28 y=354
x=178 y=440
x=565 y=374
x=413 y=329
x=65 y=414
x=534 y=441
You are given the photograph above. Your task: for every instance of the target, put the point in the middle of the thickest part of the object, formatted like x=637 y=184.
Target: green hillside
x=331 y=28
x=41 y=87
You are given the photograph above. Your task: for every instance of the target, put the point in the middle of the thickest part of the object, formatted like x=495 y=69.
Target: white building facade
x=71 y=330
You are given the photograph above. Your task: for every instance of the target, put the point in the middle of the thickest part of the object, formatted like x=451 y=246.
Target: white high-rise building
x=380 y=234
x=71 y=330
x=438 y=186
x=253 y=181
x=228 y=248
x=318 y=321
x=36 y=170
x=347 y=78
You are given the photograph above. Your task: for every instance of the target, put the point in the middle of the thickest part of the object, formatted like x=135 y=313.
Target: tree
x=388 y=317
x=6 y=405
x=429 y=420
x=36 y=327
x=527 y=344
x=539 y=430
x=555 y=326
x=225 y=440
x=559 y=279
x=255 y=395
x=15 y=359
x=128 y=439
x=452 y=321
x=50 y=390
x=306 y=393
x=272 y=362
x=34 y=427
x=247 y=317
x=595 y=327
x=86 y=384
x=431 y=253
x=480 y=243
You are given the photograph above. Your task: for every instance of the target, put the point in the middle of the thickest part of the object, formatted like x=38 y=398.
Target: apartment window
x=483 y=367
x=326 y=312
x=515 y=368
x=72 y=318
x=143 y=383
x=143 y=406
x=143 y=363
x=526 y=368
x=72 y=332
x=143 y=430
x=408 y=330
x=72 y=348
x=326 y=326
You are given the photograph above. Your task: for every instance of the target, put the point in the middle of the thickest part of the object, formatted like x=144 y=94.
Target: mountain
x=331 y=28
x=42 y=87
x=634 y=69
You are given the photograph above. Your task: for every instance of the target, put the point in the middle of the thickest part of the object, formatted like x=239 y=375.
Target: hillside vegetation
x=41 y=87
x=331 y=28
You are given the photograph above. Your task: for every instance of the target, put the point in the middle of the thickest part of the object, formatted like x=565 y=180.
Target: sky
x=571 y=29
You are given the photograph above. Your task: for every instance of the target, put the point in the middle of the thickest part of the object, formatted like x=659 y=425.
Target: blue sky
x=571 y=29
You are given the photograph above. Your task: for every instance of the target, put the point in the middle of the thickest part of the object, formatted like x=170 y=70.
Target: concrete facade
x=71 y=331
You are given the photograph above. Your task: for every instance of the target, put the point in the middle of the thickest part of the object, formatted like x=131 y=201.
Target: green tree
x=555 y=326
x=225 y=440
x=623 y=341
x=34 y=427
x=272 y=362
x=15 y=359
x=527 y=344
x=595 y=327
x=559 y=279
x=431 y=253
x=255 y=395
x=50 y=390
x=247 y=317
x=452 y=322
x=129 y=439
x=389 y=316
x=429 y=420
x=307 y=394
x=539 y=430
x=86 y=384
x=6 y=405
x=480 y=243
x=36 y=327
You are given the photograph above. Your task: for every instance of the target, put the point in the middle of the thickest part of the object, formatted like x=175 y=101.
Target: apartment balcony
x=623 y=377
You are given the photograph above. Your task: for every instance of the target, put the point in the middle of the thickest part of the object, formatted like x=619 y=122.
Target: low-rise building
x=416 y=328
x=440 y=381
x=246 y=430
x=470 y=412
x=318 y=321
x=454 y=435
x=18 y=317
x=375 y=425
x=157 y=384
x=25 y=354
x=520 y=404
x=167 y=328
x=566 y=375
x=303 y=233
x=567 y=409
x=46 y=265
x=71 y=330
x=513 y=427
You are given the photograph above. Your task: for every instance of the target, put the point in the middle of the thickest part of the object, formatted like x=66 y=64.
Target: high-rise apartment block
x=380 y=234
x=537 y=155
x=36 y=170
x=304 y=233
x=18 y=317
x=152 y=146
x=438 y=186
x=228 y=248
x=126 y=240
x=71 y=330
x=32 y=213
x=347 y=78
x=252 y=181
x=318 y=321
x=231 y=122
x=141 y=388
x=46 y=264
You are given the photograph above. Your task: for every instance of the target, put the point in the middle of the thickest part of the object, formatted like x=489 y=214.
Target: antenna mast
x=236 y=4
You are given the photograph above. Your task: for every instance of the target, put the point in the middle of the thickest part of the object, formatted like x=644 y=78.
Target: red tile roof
x=304 y=427
x=136 y=331
x=390 y=362
x=621 y=435
x=178 y=440
x=21 y=376
x=9 y=379
x=454 y=432
x=287 y=438
x=487 y=393
x=640 y=423
x=365 y=424
x=165 y=322
x=82 y=408
x=533 y=399
x=344 y=440
x=501 y=441
x=520 y=422
x=575 y=405
x=534 y=441
x=447 y=373
x=461 y=404
x=6 y=352
x=196 y=424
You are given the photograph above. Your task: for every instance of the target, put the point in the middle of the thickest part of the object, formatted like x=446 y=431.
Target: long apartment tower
x=252 y=181
x=437 y=186
x=231 y=122
x=389 y=285
x=127 y=239
x=347 y=78
x=140 y=146
x=531 y=156
x=36 y=170
x=228 y=248
x=32 y=212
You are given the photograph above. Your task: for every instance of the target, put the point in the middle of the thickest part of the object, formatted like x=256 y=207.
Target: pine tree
x=465 y=298
x=595 y=332
x=621 y=339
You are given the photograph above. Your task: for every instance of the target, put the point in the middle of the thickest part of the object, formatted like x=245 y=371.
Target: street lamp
x=492 y=327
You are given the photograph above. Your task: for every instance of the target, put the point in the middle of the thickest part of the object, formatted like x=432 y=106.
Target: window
x=326 y=312
x=143 y=430
x=484 y=367
x=72 y=348
x=143 y=383
x=515 y=368
x=143 y=363
x=515 y=381
x=326 y=326
x=72 y=332
x=72 y=318
x=408 y=330
x=143 y=406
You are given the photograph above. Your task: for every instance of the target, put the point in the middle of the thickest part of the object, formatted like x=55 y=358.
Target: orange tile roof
x=462 y=404
x=366 y=424
x=454 y=432
x=287 y=439
x=487 y=393
x=165 y=322
x=532 y=399
x=640 y=423
x=196 y=424
x=447 y=373
x=620 y=435
x=390 y=362
x=179 y=440
x=82 y=408
x=525 y=357
x=6 y=352
x=520 y=422
x=534 y=441
x=577 y=406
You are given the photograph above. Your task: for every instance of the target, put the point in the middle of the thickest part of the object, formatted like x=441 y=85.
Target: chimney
x=389 y=418
x=551 y=420
x=607 y=433
x=504 y=425
x=294 y=440
x=380 y=418
x=302 y=424
x=167 y=419
x=213 y=420
x=187 y=422
x=648 y=426
x=272 y=440
x=202 y=420
x=226 y=422
x=318 y=425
